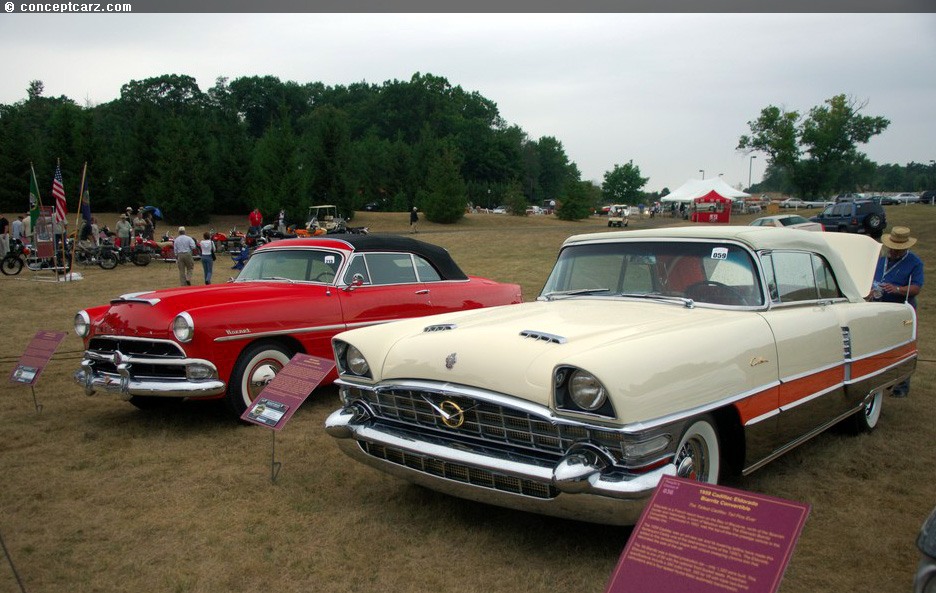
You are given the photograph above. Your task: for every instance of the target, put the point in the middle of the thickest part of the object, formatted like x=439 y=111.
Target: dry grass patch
x=99 y=497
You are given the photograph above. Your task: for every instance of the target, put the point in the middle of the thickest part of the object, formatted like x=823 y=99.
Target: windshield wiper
x=689 y=303
x=576 y=292
x=279 y=278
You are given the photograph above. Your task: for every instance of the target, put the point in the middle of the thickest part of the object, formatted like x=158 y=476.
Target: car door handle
x=423 y=291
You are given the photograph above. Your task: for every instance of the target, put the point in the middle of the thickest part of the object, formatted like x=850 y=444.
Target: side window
x=798 y=277
x=794 y=275
x=825 y=281
x=425 y=270
x=391 y=268
x=357 y=266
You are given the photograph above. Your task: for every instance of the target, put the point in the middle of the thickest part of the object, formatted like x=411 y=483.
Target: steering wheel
x=326 y=276
x=710 y=291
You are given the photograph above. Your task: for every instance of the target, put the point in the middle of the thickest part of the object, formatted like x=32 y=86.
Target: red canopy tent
x=712 y=207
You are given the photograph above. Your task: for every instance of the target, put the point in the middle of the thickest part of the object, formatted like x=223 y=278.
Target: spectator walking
x=207 y=255
x=898 y=278
x=413 y=220
x=184 y=246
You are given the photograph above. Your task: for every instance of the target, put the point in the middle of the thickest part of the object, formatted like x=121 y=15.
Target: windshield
x=705 y=272
x=294 y=265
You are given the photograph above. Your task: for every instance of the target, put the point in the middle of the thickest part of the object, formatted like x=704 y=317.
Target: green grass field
x=98 y=496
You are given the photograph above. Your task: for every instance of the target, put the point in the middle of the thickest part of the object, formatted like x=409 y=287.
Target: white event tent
x=697 y=188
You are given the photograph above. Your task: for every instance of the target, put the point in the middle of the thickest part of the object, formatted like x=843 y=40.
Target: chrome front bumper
x=583 y=489
x=127 y=386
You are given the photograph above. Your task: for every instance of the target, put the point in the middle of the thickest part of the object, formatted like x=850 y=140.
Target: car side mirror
x=356 y=281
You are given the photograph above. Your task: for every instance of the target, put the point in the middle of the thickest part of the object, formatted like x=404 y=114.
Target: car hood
x=150 y=314
x=640 y=351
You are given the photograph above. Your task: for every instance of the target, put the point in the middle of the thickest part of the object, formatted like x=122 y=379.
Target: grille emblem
x=452 y=415
x=450 y=361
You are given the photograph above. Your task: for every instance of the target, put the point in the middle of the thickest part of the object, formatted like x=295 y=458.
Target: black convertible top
x=435 y=255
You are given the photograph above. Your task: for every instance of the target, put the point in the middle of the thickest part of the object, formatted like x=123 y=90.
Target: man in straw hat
x=898 y=278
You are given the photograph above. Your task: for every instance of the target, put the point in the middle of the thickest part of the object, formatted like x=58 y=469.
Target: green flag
x=34 y=201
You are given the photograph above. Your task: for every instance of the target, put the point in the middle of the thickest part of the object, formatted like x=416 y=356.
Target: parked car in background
x=798 y=203
x=229 y=340
x=856 y=216
x=789 y=221
x=792 y=203
x=696 y=351
x=928 y=197
x=905 y=198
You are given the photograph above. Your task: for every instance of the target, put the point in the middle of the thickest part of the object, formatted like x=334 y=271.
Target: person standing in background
x=256 y=221
x=4 y=235
x=17 y=226
x=207 y=255
x=184 y=246
x=123 y=229
x=898 y=278
x=413 y=220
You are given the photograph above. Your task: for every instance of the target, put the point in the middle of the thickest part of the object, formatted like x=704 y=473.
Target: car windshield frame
x=300 y=265
x=697 y=272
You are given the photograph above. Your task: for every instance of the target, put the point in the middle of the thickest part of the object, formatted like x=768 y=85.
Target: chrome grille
x=487 y=422
x=459 y=472
x=136 y=347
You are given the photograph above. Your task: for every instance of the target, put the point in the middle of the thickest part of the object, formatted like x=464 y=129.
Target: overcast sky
x=671 y=92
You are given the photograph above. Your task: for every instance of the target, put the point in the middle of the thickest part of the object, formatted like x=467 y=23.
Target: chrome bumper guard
x=127 y=386
x=584 y=491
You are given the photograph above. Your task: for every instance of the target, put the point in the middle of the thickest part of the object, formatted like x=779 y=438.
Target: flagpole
x=84 y=171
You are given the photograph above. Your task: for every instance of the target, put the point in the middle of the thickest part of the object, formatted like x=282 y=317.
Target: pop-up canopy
x=697 y=188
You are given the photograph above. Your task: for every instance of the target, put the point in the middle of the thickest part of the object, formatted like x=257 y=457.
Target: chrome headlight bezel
x=82 y=324
x=183 y=327
x=351 y=361
x=577 y=390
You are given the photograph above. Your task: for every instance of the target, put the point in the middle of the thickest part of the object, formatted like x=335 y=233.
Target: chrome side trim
x=793 y=444
x=338 y=327
x=281 y=332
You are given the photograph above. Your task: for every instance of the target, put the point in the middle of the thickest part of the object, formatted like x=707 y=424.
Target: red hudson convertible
x=229 y=340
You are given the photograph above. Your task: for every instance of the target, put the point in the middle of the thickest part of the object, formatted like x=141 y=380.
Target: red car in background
x=229 y=340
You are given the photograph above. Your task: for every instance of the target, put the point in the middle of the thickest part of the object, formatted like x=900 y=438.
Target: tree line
x=257 y=141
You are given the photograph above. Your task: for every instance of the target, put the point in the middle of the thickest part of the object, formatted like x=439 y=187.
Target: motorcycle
x=137 y=253
x=23 y=255
x=88 y=254
x=161 y=250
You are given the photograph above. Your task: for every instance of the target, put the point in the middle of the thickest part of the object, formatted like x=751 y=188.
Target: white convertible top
x=852 y=256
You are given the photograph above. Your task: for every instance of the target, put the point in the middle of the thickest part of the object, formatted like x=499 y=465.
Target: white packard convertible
x=689 y=351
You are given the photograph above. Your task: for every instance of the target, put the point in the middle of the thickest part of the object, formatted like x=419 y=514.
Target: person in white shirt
x=207 y=255
x=183 y=246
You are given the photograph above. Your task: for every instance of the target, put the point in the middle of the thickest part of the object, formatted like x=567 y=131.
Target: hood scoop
x=134 y=297
x=439 y=328
x=542 y=336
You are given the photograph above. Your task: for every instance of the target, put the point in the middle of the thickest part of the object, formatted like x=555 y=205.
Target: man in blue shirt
x=898 y=278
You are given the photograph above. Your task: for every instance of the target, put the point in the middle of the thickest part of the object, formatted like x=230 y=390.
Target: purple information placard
x=280 y=399
x=705 y=538
x=37 y=355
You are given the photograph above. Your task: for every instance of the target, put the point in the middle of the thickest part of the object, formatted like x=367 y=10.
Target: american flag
x=58 y=193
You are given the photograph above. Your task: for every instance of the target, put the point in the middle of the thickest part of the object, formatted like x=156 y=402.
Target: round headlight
x=82 y=324
x=356 y=362
x=183 y=328
x=586 y=391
